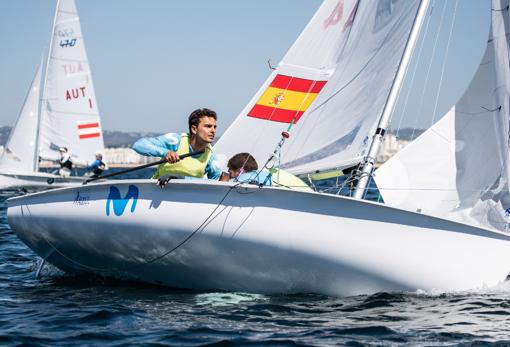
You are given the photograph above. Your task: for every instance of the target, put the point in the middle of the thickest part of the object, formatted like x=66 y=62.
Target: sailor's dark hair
x=243 y=161
x=194 y=117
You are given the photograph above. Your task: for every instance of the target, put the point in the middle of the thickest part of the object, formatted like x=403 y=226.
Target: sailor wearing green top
x=202 y=129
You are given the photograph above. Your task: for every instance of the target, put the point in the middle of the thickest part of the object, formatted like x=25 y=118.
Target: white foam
x=226 y=299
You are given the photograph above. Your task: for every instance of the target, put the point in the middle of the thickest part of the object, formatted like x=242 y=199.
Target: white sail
x=331 y=85
x=69 y=112
x=458 y=169
x=20 y=150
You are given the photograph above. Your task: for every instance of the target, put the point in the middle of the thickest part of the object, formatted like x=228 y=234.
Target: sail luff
x=44 y=96
x=369 y=161
x=36 y=149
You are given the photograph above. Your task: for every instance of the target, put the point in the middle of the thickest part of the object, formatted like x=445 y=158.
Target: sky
x=155 y=61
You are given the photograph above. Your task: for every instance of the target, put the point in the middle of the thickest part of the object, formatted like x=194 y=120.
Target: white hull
x=267 y=240
x=35 y=181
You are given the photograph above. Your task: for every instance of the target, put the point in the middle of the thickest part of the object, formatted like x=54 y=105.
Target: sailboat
x=65 y=114
x=332 y=94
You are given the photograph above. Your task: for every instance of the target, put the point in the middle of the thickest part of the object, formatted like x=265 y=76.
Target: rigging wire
x=420 y=107
x=413 y=75
x=444 y=61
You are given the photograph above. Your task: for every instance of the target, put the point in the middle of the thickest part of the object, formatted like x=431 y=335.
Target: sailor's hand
x=172 y=157
x=162 y=182
x=224 y=177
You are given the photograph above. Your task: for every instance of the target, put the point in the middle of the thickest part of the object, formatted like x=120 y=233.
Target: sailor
x=243 y=168
x=97 y=166
x=202 y=129
x=65 y=161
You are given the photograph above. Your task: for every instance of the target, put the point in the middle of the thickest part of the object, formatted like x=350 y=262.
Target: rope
x=203 y=225
x=207 y=220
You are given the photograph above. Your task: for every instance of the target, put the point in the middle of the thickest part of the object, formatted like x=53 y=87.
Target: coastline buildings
x=390 y=146
x=125 y=156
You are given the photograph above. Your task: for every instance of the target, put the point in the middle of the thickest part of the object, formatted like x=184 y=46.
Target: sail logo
x=88 y=130
x=81 y=200
x=67 y=43
x=278 y=98
x=73 y=68
x=65 y=32
x=286 y=99
x=118 y=203
x=336 y=16
x=75 y=93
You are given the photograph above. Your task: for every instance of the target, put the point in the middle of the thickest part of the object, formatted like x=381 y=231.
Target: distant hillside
x=122 y=139
x=4 y=134
x=111 y=138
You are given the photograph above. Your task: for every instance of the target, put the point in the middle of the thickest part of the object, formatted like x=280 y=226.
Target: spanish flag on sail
x=286 y=99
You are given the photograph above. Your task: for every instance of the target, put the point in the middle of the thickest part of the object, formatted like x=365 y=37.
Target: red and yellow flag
x=286 y=99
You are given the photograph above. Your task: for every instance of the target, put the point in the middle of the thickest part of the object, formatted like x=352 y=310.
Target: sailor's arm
x=213 y=168
x=157 y=146
x=93 y=165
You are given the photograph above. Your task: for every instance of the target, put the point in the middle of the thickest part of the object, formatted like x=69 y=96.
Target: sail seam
x=65 y=59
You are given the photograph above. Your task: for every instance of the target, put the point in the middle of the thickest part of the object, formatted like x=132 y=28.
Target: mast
x=44 y=100
x=369 y=161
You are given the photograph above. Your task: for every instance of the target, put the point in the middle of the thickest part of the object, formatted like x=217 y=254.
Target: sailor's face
x=233 y=173
x=206 y=129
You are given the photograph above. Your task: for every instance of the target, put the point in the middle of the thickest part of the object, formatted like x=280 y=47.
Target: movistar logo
x=120 y=203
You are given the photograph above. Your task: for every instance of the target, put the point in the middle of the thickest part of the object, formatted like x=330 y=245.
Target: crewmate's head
x=202 y=124
x=62 y=150
x=241 y=162
x=99 y=156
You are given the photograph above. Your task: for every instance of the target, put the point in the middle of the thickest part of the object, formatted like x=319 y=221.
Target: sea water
x=59 y=310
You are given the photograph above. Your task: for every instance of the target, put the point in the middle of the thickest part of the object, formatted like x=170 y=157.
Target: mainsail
x=331 y=86
x=20 y=149
x=69 y=112
x=458 y=169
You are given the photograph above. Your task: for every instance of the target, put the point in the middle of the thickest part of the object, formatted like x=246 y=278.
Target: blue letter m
x=119 y=203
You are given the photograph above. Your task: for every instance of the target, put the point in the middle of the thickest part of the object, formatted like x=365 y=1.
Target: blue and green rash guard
x=158 y=146
x=255 y=177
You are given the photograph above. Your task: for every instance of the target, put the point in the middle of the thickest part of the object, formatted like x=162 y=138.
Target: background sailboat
x=203 y=234
x=65 y=115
